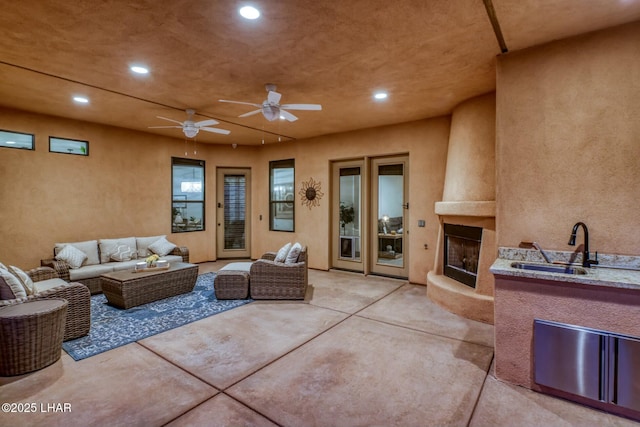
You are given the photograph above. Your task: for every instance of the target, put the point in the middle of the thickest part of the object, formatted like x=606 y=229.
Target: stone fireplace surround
x=476 y=304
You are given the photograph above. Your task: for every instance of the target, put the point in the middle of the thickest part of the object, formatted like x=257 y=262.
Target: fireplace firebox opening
x=461 y=253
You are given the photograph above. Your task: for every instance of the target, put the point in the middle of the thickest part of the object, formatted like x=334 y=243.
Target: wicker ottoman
x=231 y=284
x=31 y=335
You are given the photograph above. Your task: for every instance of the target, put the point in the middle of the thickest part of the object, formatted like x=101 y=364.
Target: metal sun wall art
x=310 y=193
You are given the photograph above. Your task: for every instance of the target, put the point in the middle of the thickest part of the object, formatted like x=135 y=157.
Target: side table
x=31 y=335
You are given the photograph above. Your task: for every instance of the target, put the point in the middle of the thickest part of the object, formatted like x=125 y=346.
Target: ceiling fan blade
x=287 y=115
x=251 y=113
x=171 y=120
x=313 y=107
x=164 y=127
x=206 y=123
x=216 y=130
x=240 y=102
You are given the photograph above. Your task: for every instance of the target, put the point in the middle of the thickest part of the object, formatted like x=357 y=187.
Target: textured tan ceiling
x=429 y=56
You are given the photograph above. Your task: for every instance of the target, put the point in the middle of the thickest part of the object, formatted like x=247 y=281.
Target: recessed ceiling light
x=139 y=69
x=81 y=99
x=11 y=142
x=249 y=12
x=380 y=95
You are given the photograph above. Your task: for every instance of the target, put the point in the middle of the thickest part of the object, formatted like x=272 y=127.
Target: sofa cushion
x=89 y=272
x=161 y=247
x=45 y=285
x=294 y=252
x=89 y=247
x=123 y=253
x=72 y=256
x=237 y=266
x=143 y=243
x=110 y=246
x=11 y=287
x=25 y=280
x=282 y=253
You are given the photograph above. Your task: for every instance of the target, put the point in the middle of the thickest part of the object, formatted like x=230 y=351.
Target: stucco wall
x=567 y=142
x=123 y=188
x=426 y=143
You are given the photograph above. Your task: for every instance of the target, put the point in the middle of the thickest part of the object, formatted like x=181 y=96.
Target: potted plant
x=347 y=215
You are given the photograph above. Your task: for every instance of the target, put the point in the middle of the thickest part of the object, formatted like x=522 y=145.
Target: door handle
x=405 y=205
x=219 y=204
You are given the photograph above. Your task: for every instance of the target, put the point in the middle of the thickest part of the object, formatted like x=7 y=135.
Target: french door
x=233 y=213
x=369 y=210
x=389 y=205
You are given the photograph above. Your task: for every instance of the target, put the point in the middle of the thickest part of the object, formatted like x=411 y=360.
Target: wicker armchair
x=271 y=280
x=78 y=320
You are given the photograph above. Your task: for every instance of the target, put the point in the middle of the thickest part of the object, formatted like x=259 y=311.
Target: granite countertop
x=627 y=275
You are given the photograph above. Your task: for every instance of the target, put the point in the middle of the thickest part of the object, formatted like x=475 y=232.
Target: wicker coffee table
x=128 y=288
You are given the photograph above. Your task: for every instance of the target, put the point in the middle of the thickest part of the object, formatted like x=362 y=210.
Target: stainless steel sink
x=550 y=268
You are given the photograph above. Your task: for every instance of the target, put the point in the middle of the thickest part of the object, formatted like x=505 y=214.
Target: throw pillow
x=24 y=279
x=162 y=247
x=282 y=253
x=143 y=243
x=13 y=285
x=72 y=256
x=294 y=252
x=122 y=253
x=89 y=247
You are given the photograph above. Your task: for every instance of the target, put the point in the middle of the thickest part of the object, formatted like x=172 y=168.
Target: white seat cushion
x=89 y=272
x=237 y=266
x=44 y=285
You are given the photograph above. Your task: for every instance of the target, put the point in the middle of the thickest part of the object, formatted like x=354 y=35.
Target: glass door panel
x=347 y=219
x=233 y=218
x=389 y=207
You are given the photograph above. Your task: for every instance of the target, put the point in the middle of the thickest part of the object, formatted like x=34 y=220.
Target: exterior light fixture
x=81 y=99
x=380 y=95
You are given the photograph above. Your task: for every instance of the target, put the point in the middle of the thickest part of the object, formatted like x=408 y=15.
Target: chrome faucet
x=586 y=262
x=544 y=254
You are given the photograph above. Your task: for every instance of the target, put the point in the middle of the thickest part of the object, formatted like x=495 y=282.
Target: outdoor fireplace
x=461 y=253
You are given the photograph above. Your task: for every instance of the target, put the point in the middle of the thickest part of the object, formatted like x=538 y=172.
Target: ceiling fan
x=271 y=108
x=191 y=128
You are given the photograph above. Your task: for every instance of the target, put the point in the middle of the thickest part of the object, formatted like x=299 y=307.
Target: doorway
x=389 y=205
x=369 y=210
x=233 y=213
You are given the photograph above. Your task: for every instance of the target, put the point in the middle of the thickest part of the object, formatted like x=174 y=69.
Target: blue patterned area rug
x=113 y=327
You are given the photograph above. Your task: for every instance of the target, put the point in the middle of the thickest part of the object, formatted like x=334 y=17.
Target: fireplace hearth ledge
x=459 y=298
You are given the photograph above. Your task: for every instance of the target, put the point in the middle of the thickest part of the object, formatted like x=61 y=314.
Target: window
x=19 y=140
x=187 y=207
x=68 y=146
x=281 y=200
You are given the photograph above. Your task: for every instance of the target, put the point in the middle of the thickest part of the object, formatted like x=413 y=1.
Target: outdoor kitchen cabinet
x=598 y=365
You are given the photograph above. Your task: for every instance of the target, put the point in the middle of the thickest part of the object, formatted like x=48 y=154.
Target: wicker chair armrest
x=42 y=273
x=268 y=266
x=78 y=321
x=61 y=267
x=182 y=251
x=269 y=256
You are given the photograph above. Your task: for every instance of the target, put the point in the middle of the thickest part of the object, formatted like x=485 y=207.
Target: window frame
x=282 y=205
x=3 y=144
x=181 y=201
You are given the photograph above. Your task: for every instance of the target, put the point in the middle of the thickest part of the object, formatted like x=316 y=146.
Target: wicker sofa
x=276 y=280
x=101 y=258
x=47 y=286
